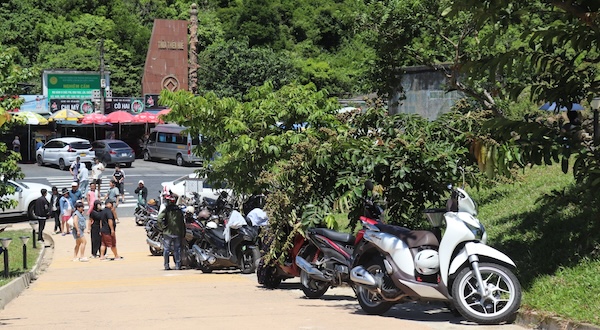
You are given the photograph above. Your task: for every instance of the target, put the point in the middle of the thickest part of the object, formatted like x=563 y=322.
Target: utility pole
x=193 y=54
x=102 y=79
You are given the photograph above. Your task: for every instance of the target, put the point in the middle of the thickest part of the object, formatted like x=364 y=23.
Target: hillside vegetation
x=545 y=224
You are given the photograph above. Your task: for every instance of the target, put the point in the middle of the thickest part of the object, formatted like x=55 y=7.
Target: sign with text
x=71 y=84
x=83 y=106
x=128 y=104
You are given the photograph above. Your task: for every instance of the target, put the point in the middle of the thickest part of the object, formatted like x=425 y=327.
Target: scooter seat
x=334 y=235
x=412 y=238
x=218 y=232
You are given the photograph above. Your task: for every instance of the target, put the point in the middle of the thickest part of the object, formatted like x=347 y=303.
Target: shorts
x=65 y=218
x=121 y=187
x=74 y=232
x=97 y=181
x=108 y=240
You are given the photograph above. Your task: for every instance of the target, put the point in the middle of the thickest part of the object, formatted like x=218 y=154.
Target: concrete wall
x=425 y=94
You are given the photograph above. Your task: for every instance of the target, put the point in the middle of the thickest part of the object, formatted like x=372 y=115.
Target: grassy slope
x=552 y=232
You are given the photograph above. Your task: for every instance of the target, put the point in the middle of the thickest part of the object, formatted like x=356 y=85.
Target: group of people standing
x=67 y=208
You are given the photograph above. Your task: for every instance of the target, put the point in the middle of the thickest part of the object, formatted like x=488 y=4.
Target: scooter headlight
x=478 y=231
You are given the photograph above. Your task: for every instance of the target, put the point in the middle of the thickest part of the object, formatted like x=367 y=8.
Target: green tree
x=231 y=68
x=11 y=75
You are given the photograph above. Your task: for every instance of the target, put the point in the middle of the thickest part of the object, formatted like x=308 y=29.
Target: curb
x=15 y=287
x=535 y=320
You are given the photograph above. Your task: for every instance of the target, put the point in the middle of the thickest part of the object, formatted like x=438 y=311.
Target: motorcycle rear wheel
x=267 y=275
x=249 y=259
x=500 y=305
x=371 y=302
x=312 y=289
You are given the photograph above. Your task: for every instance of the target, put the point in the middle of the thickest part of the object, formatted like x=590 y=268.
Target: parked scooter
x=393 y=265
x=329 y=264
x=144 y=212
x=213 y=251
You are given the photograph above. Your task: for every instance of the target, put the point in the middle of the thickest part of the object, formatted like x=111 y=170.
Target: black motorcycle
x=213 y=252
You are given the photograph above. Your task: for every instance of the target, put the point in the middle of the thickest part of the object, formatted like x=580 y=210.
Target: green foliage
x=292 y=143
x=11 y=75
x=15 y=259
x=231 y=68
x=547 y=225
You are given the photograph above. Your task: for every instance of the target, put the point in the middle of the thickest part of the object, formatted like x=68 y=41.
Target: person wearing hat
x=171 y=222
x=75 y=194
x=66 y=208
x=78 y=233
x=42 y=212
x=142 y=193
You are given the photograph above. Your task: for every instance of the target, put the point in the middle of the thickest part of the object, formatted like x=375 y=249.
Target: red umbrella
x=94 y=118
x=145 y=117
x=163 y=112
x=119 y=117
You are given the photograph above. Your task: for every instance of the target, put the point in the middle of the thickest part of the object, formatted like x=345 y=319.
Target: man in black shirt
x=107 y=232
x=42 y=212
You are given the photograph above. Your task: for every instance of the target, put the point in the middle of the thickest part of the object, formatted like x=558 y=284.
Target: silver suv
x=64 y=151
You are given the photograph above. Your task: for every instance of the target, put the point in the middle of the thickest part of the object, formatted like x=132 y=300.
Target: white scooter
x=393 y=265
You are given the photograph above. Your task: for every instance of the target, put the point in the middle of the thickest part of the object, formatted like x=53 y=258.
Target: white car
x=185 y=185
x=25 y=194
x=64 y=151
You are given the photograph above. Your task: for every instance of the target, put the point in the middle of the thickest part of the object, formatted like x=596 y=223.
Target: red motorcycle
x=321 y=260
x=270 y=276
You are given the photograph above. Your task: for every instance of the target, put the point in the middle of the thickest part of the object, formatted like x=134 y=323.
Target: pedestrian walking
x=78 y=233
x=84 y=180
x=55 y=209
x=66 y=208
x=119 y=178
x=96 y=175
x=74 y=168
x=75 y=194
x=16 y=144
x=42 y=212
x=108 y=228
x=112 y=196
x=171 y=222
x=91 y=197
x=94 y=221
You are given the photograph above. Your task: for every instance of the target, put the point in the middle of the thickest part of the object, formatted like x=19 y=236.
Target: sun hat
x=64 y=191
x=73 y=184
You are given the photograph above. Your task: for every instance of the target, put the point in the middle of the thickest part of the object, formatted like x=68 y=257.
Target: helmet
x=211 y=225
x=152 y=202
x=427 y=262
x=204 y=214
x=170 y=198
x=190 y=209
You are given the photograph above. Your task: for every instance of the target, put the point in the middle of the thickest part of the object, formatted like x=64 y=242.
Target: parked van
x=167 y=141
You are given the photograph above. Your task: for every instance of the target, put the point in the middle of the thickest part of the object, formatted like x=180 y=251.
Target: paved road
x=135 y=293
x=153 y=173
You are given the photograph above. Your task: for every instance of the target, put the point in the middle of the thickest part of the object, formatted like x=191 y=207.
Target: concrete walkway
x=136 y=293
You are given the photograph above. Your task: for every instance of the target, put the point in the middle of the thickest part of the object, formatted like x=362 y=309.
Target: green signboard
x=71 y=84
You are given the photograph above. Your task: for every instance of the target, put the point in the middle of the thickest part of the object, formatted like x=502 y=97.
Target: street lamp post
x=596 y=106
x=24 y=239
x=5 y=243
x=34 y=225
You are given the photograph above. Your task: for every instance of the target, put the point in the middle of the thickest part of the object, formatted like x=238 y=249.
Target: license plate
x=82 y=154
x=124 y=154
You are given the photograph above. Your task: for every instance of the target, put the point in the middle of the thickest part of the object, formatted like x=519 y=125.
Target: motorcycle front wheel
x=372 y=302
x=501 y=300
